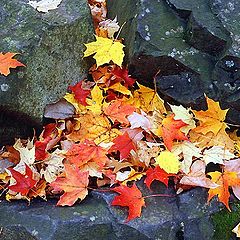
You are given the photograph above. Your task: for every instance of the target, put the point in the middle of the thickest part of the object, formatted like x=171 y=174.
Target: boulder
x=186 y=215
x=204 y=30
x=226 y=75
x=189 y=47
x=51 y=46
x=157 y=46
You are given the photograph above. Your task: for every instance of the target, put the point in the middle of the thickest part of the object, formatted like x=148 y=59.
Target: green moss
x=224 y=221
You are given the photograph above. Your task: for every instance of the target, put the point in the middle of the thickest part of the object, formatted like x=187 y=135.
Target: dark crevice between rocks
x=14 y=125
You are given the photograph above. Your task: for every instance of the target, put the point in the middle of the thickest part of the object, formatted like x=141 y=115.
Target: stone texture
x=157 y=42
x=226 y=75
x=51 y=45
x=165 y=218
x=204 y=30
x=191 y=46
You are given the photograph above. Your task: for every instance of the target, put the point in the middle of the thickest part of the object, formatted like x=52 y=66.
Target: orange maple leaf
x=74 y=185
x=170 y=130
x=82 y=153
x=130 y=197
x=117 y=110
x=224 y=180
x=7 y=62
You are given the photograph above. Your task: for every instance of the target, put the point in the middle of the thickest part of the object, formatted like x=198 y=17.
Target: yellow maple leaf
x=211 y=120
x=93 y=127
x=118 y=87
x=210 y=139
x=95 y=104
x=80 y=109
x=105 y=50
x=147 y=99
x=168 y=162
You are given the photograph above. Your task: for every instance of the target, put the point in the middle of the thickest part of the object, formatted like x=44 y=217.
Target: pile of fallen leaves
x=112 y=131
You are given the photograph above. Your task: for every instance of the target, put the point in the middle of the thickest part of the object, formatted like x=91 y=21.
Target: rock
x=189 y=47
x=95 y=218
x=157 y=43
x=204 y=30
x=51 y=46
x=15 y=233
x=226 y=75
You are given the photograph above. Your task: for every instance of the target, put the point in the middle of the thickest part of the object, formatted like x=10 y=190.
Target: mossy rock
x=51 y=46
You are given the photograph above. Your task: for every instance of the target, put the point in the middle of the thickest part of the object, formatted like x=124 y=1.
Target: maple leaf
x=129 y=176
x=197 y=176
x=122 y=73
x=53 y=166
x=146 y=151
x=168 y=162
x=210 y=139
x=95 y=104
x=111 y=26
x=82 y=153
x=105 y=50
x=24 y=182
x=236 y=230
x=217 y=154
x=225 y=180
x=181 y=113
x=27 y=153
x=7 y=62
x=119 y=111
x=124 y=145
x=80 y=93
x=74 y=185
x=170 y=130
x=117 y=165
x=118 y=87
x=40 y=149
x=147 y=99
x=157 y=174
x=139 y=120
x=96 y=127
x=130 y=197
x=234 y=166
x=45 y=5
x=188 y=150
x=211 y=120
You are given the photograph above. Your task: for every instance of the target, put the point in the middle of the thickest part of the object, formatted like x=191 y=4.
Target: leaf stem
x=159 y=195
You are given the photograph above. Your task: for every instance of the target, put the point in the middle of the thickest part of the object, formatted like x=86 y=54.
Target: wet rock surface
x=184 y=217
x=191 y=47
x=51 y=46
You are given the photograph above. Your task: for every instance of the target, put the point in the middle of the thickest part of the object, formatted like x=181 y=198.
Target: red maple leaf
x=170 y=130
x=40 y=149
x=130 y=197
x=74 y=185
x=24 y=181
x=124 y=145
x=81 y=153
x=49 y=129
x=122 y=73
x=7 y=62
x=79 y=93
x=157 y=174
